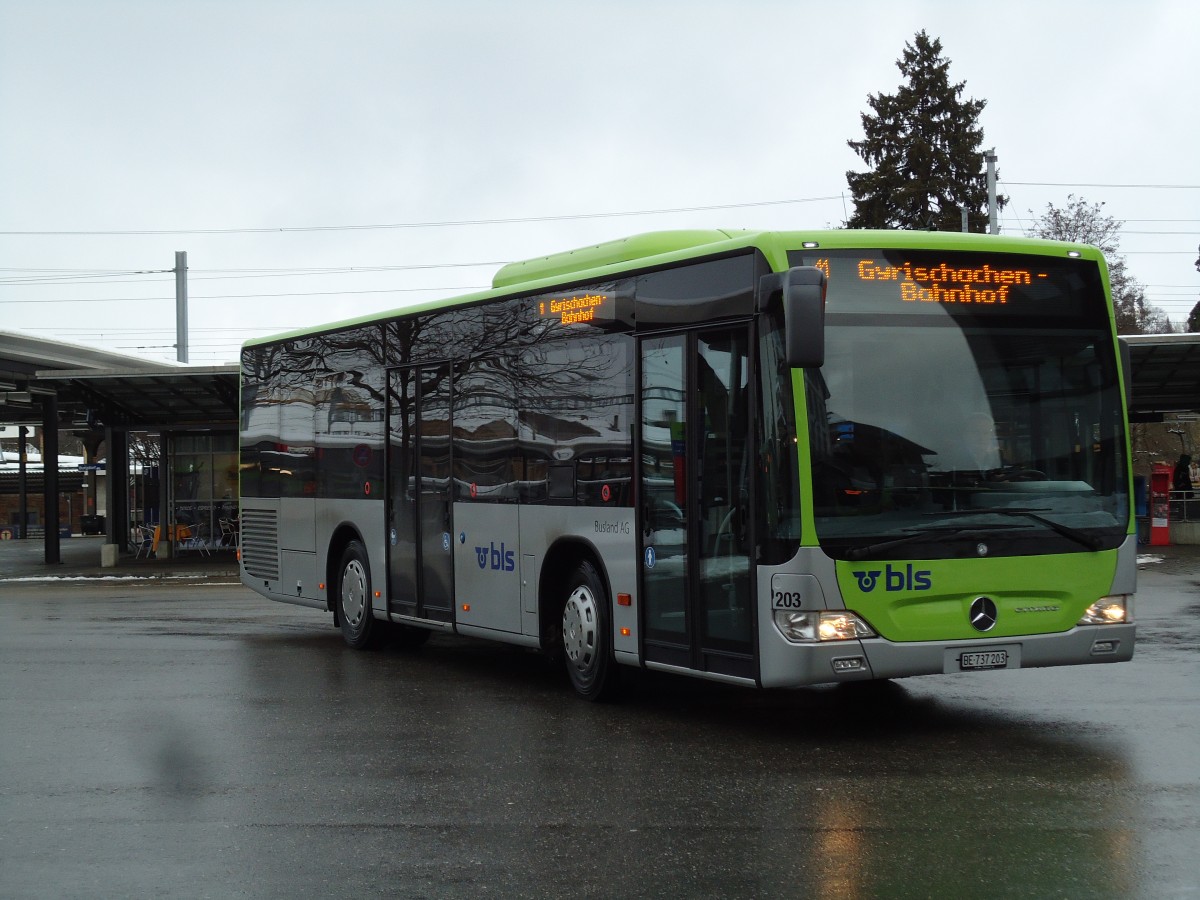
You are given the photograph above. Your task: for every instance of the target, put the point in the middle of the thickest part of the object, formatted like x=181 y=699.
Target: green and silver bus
x=770 y=459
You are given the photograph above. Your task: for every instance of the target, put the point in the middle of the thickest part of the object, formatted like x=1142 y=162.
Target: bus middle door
x=420 y=561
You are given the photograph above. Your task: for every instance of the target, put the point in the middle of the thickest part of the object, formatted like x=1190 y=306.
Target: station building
x=159 y=440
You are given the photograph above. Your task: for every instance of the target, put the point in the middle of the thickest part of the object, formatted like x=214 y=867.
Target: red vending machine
x=1160 y=505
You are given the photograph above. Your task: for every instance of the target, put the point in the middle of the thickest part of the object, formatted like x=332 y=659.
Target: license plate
x=987 y=659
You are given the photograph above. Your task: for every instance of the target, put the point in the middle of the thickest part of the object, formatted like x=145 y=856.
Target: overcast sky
x=589 y=121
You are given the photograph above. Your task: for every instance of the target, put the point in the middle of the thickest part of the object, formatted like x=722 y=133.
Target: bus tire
x=586 y=635
x=359 y=627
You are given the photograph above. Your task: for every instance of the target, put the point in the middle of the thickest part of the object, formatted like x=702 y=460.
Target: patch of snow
x=47 y=578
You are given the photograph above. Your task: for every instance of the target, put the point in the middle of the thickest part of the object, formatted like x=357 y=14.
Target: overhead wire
x=516 y=220
x=1172 y=187
x=19 y=277
x=280 y=273
x=343 y=293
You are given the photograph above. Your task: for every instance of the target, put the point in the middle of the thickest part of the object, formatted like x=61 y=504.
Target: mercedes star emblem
x=983 y=614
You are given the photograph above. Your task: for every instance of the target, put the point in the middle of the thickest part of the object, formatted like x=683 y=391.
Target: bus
x=768 y=459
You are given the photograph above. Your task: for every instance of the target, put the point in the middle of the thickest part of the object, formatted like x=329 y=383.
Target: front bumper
x=879 y=658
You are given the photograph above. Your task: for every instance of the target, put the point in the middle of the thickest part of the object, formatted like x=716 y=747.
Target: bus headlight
x=813 y=627
x=1109 y=611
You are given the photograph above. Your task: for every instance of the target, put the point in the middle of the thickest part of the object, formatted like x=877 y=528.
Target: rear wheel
x=360 y=629
x=586 y=636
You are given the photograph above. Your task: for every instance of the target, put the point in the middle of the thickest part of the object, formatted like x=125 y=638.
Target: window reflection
x=576 y=427
x=1008 y=418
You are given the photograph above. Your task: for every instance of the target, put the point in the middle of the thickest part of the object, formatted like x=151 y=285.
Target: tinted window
x=576 y=420
x=714 y=289
x=958 y=391
x=348 y=392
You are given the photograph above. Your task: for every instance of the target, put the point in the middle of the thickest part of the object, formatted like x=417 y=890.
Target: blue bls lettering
x=906 y=579
x=500 y=560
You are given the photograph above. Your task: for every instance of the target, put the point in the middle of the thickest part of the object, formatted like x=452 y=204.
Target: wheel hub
x=354 y=592
x=579 y=628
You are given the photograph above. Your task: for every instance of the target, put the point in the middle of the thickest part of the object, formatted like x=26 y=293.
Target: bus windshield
x=969 y=405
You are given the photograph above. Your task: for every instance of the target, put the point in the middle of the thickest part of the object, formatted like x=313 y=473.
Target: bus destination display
x=583 y=307
x=943 y=283
x=906 y=281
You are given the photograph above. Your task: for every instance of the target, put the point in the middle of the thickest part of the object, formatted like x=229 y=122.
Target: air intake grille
x=260 y=543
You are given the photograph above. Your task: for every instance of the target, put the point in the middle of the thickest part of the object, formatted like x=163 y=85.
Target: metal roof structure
x=1165 y=375
x=22 y=354
x=95 y=387
x=149 y=397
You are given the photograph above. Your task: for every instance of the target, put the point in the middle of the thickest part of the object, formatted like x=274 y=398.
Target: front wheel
x=586 y=635
x=360 y=629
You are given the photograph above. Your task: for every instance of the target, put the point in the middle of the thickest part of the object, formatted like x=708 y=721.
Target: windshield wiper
x=959 y=531
x=1080 y=537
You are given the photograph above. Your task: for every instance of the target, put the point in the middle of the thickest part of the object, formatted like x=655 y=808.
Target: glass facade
x=204 y=487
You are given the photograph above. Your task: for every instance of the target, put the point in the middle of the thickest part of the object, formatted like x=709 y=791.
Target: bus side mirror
x=802 y=290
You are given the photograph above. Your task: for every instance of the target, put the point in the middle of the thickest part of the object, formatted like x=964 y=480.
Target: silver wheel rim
x=579 y=629
x=354 y=592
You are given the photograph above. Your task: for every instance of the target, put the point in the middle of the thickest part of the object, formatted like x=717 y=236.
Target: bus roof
x=622 y=250
x=663 y=247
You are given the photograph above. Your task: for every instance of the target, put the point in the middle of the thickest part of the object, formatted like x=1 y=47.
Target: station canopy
x=95 y=388
x=150 y=397
x=1166 y=375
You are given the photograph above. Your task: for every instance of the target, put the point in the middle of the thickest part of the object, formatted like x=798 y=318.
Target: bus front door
x=695 y=493
x=420 y=562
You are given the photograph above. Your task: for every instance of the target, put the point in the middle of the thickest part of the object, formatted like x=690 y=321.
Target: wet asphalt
x=165 y=732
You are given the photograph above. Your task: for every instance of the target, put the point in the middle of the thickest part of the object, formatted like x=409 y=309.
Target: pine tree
x=923 y=144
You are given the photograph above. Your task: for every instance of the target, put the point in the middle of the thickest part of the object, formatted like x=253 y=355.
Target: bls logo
x=501 y=560
x=905 y=579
